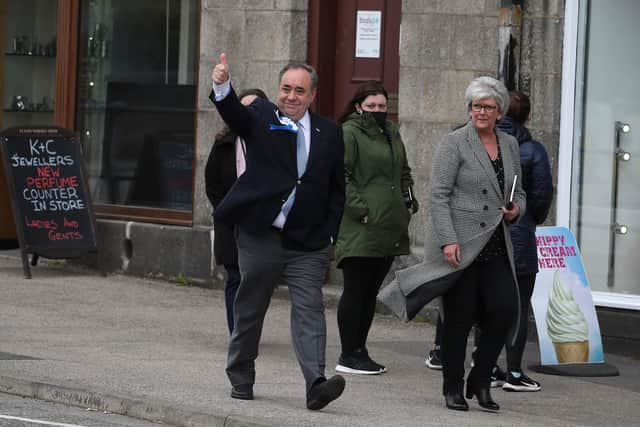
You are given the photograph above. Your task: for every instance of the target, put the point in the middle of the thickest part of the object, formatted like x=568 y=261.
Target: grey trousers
x=264 y=263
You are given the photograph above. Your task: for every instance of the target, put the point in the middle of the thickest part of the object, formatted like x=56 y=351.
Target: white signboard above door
x=368 y=33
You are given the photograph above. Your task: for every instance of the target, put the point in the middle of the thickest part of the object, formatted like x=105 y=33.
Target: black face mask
x=379 y=116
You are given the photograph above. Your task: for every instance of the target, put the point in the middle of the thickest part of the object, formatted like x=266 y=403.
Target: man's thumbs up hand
x=220 y=73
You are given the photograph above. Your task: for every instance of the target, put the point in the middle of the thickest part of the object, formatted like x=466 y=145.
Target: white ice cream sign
x=566 y=320
x=566 y=325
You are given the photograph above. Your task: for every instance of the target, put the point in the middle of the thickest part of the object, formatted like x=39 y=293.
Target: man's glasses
x=487 y=108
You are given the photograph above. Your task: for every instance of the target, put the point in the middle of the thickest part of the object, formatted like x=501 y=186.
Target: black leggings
x=363 y=277
x=514 y=353
x=486 y=293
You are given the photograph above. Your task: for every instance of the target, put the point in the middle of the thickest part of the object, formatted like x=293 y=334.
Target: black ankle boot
x=482 y=394
x=455 y=401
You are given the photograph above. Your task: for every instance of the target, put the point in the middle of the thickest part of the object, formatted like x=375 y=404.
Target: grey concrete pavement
x=157 y=351
x=18 y=411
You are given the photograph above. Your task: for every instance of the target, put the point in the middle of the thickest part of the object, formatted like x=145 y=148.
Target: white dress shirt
x=305 y=126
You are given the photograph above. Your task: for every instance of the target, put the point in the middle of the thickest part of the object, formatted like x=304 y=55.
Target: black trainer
x=434 y=360
x=380 y=367
x=518 y=381
x=356 y=365
x=364 y=354
x=498 y=377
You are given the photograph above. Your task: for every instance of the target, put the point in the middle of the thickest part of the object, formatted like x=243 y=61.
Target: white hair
x=487 y=87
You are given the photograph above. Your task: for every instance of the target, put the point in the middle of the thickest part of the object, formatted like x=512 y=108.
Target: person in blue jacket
x=537 y=183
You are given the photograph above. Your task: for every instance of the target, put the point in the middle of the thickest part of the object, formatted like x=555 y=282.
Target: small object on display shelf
x=19 y=103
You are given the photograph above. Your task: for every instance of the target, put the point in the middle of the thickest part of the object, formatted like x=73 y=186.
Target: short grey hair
x=487 y=87
x=304 y=66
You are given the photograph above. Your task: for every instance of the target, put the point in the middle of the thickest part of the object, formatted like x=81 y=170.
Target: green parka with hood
x=376 y=217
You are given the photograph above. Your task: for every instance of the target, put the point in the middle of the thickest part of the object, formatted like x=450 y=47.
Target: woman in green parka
x=374 y=229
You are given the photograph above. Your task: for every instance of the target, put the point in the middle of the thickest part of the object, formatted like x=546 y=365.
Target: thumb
x=223 y=59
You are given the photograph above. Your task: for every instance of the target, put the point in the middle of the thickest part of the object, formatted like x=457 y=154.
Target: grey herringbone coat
x=464 y=208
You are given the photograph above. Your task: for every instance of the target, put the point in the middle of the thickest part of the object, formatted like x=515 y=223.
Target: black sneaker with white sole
x=518 y=381
x=363 y=354
x=380 y=367
x=433 y=360
x=354 y=365
x=498 y=377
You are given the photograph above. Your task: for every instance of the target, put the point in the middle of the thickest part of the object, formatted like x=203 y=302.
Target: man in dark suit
x=286 y=208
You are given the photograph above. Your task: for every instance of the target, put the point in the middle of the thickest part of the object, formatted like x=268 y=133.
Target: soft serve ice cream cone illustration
x=566 y=324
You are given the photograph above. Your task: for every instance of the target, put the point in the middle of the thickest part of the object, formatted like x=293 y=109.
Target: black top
x=220 y=175
x=496 y=246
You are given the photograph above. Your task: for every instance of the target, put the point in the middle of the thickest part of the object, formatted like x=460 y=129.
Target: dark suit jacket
x=219 y=176
x=257 y=196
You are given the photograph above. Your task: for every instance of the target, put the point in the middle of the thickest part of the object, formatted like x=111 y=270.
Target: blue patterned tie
x=301 y=160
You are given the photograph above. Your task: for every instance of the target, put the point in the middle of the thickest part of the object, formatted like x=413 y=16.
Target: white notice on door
x=368 y=25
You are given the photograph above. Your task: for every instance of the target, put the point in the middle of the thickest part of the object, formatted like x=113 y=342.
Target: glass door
x=607 y=147
x=28 y=62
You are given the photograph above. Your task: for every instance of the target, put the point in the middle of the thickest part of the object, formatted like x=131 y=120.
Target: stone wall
x=541 y=74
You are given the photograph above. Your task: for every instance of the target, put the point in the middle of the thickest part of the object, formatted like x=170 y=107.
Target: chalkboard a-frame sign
x=51 y=204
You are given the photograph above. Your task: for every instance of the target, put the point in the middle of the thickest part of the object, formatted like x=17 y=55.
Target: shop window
x=27 y=62
x=136 y=98
x=28 y=80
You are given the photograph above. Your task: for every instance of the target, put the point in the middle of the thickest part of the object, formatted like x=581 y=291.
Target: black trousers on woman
x=485 y=293
x=515 y=351
x=363 y=277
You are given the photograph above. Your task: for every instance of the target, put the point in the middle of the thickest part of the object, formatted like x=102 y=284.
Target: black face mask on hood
x=379 y=116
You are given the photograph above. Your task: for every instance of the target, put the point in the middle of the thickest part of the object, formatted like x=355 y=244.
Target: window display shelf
x=28 y=54
x=9 y=110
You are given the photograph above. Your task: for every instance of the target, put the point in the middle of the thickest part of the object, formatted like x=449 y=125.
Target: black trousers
x=515 y=352
x=486 y=292
x=363 y=277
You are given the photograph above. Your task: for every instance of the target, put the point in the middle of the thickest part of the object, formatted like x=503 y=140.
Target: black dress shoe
x=242 y=391
x=456 y=402
x=483 y=395
x=324 y=391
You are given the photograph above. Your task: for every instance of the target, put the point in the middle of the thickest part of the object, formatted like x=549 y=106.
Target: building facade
x=133 y=78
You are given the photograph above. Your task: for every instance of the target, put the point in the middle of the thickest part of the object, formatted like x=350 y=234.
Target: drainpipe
x=510 y=30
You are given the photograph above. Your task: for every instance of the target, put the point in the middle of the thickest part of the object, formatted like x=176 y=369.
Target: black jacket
x=537 y=183
x=257 y=196
x=219 y=177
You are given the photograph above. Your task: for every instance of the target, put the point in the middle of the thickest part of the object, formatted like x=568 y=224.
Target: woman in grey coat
x=468 y=253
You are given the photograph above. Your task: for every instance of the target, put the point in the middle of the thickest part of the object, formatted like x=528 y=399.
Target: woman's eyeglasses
x=487 y=108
